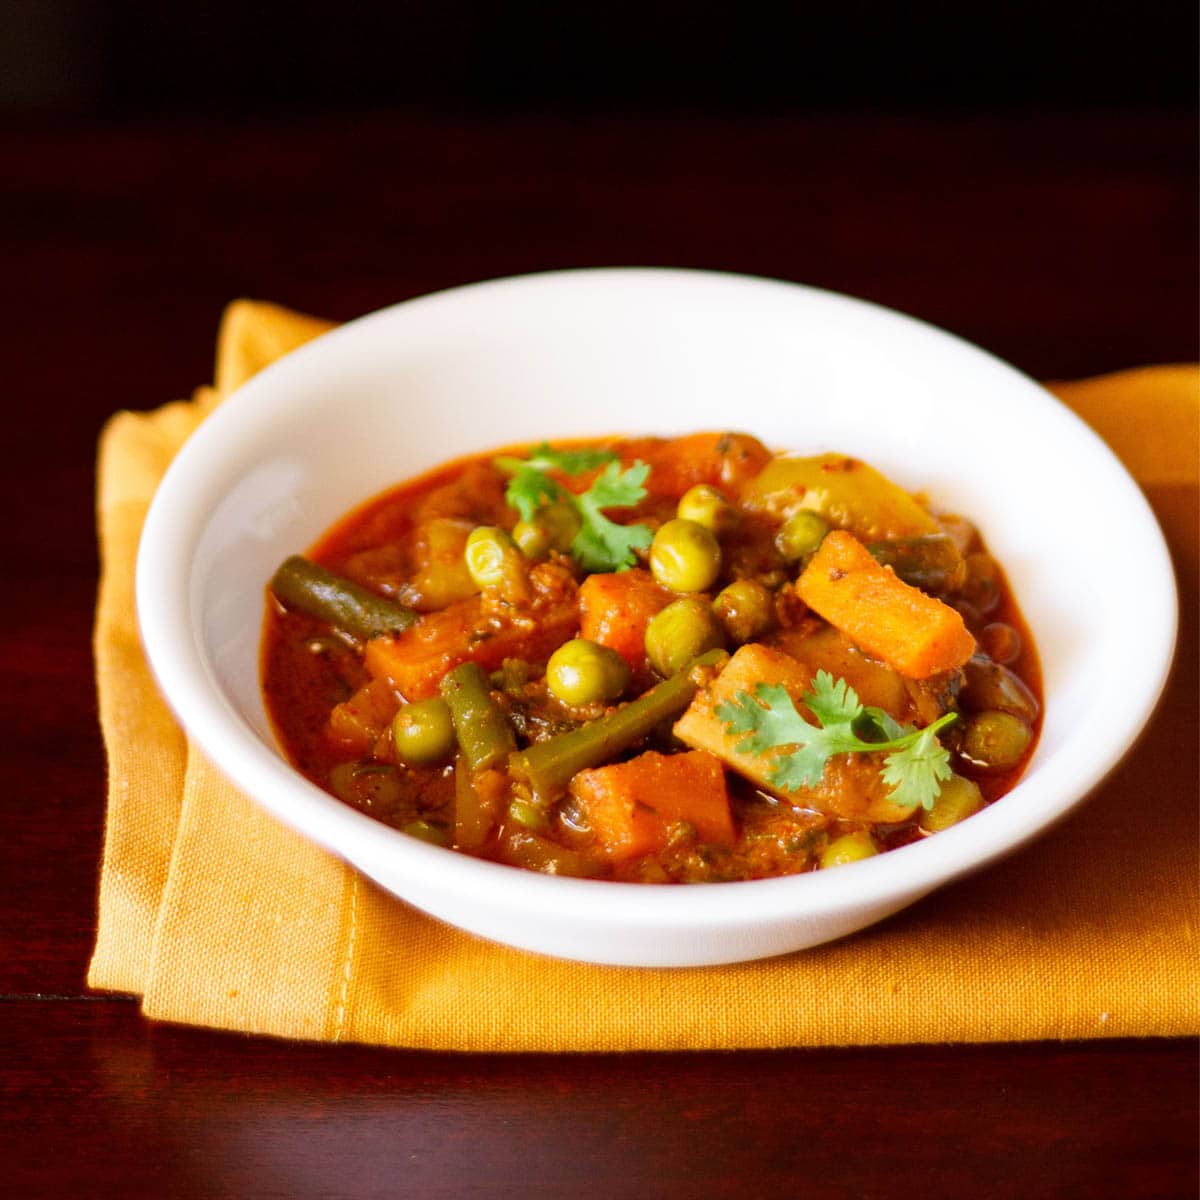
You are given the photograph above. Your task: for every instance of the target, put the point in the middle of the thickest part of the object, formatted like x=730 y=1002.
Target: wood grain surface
x=1064 y=243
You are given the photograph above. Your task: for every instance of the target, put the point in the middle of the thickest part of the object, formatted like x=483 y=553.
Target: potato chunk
x=851 y=787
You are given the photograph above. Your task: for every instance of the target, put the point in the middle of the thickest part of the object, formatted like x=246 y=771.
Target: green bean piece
x=706 y=506
x=682 y=631
x=801 y=534
x=474 y=816
x=995 y=741
x=931 y=562
x=305 y=587
x=685 y=556
x=423 y=732
x=483 y=731
x=746 y=610
x=547 y=767
x=583 y=672
x=850 y=847
x=958 y=799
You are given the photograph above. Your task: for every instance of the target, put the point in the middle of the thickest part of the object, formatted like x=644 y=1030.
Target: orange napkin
x=216 y=915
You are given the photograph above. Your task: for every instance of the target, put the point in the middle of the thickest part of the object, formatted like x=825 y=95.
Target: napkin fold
x=217 y=915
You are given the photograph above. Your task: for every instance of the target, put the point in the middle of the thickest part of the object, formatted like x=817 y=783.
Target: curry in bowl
x=661 y=660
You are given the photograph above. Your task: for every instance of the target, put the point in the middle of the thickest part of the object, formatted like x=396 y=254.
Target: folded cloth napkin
x=217 y=915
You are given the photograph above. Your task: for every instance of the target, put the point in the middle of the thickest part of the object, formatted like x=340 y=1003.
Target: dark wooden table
x=1065 y=243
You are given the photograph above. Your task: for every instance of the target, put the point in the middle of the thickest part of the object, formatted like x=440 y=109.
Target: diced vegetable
x=847 y=492
x=915 y=633
x=850 y=847
x=415 y=661
x=359 y=722
x=721 y=460
x=636 y=807
x=851 y=786
x=959 y=799
x=440 y=576
x=614 y=610
x=827 y=649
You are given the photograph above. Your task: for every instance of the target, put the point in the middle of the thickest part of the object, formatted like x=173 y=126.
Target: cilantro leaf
x=914 y=768
x=601 y=544
x=916 y=773
x=530 y=490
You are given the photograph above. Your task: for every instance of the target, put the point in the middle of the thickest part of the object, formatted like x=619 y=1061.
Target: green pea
x=583 y=672
x=685 y=556
x=995 y=740
x=682 y=631
x=801 y=534
x=551 y=528
x=528 y=815
x=531 y=538
x=708 y=507
x=428 y=832
x=959 y=798
x=489 y=555
x=423 y=732
x=989 y=685
x=850 y=847
x=746 y=609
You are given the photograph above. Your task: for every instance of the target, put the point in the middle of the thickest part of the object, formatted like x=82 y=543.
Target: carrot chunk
x=912 y=632
x=614 y=610
x=414 y=661
x=722 y=460
x=635 y=807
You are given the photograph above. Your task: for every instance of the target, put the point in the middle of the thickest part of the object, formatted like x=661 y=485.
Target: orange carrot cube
x=635 y=807
x=914 y=633
x=614 y=610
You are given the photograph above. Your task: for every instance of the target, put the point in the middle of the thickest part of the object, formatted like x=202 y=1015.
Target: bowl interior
x=602 y=352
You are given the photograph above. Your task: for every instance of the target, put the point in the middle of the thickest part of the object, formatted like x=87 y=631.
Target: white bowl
x=598 y=352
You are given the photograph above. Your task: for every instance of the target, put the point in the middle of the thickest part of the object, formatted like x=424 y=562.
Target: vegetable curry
x=655 y=660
